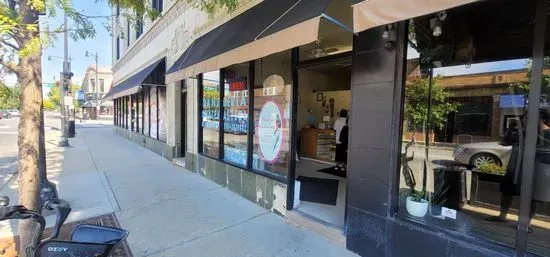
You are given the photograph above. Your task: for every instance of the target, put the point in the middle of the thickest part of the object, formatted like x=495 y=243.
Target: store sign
x=238 y=84
x=270 y=131
x=512 y=101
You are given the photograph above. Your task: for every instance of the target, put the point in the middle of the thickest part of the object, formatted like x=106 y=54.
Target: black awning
x=131 y=85
x=264 y=19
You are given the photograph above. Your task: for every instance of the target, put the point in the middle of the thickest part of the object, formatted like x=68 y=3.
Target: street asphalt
x=8 y=143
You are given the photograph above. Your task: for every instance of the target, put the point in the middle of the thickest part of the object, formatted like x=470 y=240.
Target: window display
x=235 y=117
x=162 y=113
x=211 y=114
x=153 y=105
x=272 y=103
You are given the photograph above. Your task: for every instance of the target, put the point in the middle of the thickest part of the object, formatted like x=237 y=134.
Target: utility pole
x=65 y=78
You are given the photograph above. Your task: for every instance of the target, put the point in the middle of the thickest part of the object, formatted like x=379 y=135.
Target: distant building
x=95 y=90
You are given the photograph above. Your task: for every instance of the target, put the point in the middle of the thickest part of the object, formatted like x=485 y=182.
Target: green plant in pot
x=416 y=204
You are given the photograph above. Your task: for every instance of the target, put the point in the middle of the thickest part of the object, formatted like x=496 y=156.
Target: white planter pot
x=417 y=209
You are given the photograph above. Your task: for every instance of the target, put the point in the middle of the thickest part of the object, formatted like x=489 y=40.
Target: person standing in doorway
x=341 y=127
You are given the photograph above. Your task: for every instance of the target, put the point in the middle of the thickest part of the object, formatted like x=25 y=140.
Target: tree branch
x=12 y=67
x=5 y=42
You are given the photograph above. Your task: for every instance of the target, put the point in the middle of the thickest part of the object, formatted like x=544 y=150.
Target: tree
x=21 y=44
x=53 y=95
x=416 y=104
x=9 y=97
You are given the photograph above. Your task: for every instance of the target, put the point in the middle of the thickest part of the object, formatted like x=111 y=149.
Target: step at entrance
x=333 y=234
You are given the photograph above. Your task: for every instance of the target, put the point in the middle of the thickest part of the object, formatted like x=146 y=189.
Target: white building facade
x=96 y=84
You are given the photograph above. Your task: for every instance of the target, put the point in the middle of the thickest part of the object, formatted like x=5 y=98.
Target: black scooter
x=85 y=240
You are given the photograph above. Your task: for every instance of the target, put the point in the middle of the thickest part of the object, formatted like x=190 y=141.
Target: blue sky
x=101 y=44
x=474 y=68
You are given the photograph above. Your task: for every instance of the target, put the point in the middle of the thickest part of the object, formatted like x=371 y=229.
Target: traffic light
x=67 y=81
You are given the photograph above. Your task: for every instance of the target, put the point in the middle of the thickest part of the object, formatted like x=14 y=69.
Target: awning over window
x=267 y=28
x=373 y=13
x=132 y=84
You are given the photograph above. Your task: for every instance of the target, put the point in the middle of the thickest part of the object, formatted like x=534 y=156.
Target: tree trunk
x=30 y=80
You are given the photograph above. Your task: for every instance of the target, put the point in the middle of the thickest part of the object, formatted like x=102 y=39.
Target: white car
x=476 y=154
x=14 y=113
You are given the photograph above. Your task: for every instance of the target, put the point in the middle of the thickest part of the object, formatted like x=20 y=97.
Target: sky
x=101 y=44
x=474 y=68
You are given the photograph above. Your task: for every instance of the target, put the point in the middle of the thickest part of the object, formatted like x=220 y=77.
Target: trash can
x=70 y=129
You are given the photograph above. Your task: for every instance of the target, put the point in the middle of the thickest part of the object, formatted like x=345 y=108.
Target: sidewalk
x=168 y=210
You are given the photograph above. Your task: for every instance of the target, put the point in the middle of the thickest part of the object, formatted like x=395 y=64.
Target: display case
x=319 y=144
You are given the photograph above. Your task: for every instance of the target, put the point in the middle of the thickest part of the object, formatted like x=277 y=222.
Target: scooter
x=84 y=241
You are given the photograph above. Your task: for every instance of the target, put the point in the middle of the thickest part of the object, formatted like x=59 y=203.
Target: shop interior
x=324 y=78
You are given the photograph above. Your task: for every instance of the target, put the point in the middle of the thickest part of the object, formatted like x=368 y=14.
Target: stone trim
x=261 y=190
x=159 y=147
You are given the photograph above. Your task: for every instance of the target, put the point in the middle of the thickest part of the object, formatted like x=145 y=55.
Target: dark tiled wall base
x=154 y=145
x=266 y=192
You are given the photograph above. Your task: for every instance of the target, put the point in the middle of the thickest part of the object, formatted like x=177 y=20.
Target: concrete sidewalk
x=168 y=210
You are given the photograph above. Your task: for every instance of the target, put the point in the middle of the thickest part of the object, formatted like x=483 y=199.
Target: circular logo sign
x=270 y=131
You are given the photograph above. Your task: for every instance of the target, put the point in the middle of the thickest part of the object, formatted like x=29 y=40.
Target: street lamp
x=88 y=54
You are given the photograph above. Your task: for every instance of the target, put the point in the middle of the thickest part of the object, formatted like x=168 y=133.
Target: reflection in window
x=272 y=105
x=464 y=122
x=211 y=113
x=146 y=96
x=235 y=105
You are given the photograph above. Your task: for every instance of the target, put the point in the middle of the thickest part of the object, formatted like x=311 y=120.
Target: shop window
x=153 y=108
x=128 y=117
x=162 y=113
x=235 y=115
x=272 y=117
x=146 y=110
x=461 y=163
x=210 y=122
x=133 y=112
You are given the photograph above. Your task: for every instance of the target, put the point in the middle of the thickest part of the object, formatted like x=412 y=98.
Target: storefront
x=140 y=108
x=261 y=95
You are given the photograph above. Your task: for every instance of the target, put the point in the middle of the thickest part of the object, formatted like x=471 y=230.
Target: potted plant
x=416 y=204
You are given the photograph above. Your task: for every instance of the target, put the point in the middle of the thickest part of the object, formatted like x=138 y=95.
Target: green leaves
x=9 y=97
x=416 y=103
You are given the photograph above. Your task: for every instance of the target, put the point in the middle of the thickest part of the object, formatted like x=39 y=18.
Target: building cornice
x=174 y=12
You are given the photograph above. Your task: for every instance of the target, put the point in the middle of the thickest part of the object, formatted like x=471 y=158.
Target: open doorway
x=321 y=169
x=324 y=97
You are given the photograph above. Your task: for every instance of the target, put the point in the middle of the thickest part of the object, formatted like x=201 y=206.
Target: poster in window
x=270 y=131
x=162 y=114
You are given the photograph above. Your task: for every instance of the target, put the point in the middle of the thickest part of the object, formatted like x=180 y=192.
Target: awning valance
x=373 y=13
x=132 y=84
x=269 y=27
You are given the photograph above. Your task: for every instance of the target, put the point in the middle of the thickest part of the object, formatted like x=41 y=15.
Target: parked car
x=476 y=154
x=5 y=114
x=14 y=112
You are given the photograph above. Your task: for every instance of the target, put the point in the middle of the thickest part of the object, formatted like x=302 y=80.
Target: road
x=8 y=143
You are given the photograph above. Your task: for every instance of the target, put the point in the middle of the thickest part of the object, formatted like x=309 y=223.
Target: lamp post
x=88 y=54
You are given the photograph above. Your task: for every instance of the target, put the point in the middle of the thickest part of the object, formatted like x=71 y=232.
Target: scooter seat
x=87 y=233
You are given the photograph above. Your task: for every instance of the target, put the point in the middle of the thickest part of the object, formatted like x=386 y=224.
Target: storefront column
x=173 y=114
x=376 y=100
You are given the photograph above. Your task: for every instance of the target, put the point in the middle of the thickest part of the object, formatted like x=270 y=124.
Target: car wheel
x=484 y=158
